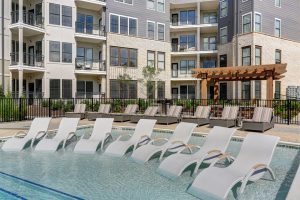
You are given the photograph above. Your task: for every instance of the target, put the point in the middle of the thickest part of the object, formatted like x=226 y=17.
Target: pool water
x=65 y=175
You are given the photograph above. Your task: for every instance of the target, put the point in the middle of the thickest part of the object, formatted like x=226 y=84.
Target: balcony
x=32 y=24
x=95 y=5
x=192 y=50
x=90 y=66
x=31 y=62
x=90 y=32
x=177 y=76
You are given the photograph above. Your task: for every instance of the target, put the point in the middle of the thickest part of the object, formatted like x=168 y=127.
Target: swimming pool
x=65 y=175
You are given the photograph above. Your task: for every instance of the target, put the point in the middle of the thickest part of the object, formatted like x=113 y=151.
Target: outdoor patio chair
x=201 y=116
x=229 y=117
x=18 y=142
x=252 y=162
x=177 y=142
x=262 y=120
x=79 y=112
x=103 y=109
x=65 y=132
x=173 y=116
x=148 y=114
x=294 y=193
x=101 y=134
x=141 y=136
x=123 y=117
x=215 y=145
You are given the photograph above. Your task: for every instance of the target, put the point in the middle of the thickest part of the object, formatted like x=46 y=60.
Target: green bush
x=10 y=109
x=68 y=106
x=57 y=104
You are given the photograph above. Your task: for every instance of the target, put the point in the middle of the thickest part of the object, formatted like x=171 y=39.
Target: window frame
x=58 y=52
x=63 y=53
x=249 y=23
x=275 y=28
x=123 y=1
x=51 y=89
x=66 y=16
x=222 y=41
x=164 y=61
x=280 y=54
x=260 y=55
x=129 y=57
x=243 y=57
x=119 y=24
x=154 y=57
x=154 y=29
x=67 y=90
x=223 y=8
x=278 y=1
x=255 y=23
x=55 y=14
x=164 y=25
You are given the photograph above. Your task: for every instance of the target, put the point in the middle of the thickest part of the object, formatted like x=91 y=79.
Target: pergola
x=242 y=73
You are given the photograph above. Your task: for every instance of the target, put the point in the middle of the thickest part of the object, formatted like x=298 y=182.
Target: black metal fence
x=17 y=109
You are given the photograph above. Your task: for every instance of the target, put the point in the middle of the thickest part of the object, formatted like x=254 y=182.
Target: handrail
x=28 y=18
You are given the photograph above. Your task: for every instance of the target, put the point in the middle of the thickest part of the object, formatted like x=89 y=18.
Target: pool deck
x=287 y=133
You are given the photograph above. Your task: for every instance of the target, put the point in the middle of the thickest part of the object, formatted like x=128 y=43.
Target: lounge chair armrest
x=39 y=135
x=70 y=135
x=145 y=139
x=221 y=157
x=20 y=134
x=190 y=147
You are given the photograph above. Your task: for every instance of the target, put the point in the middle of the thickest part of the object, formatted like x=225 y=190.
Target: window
x=246 y=56
x=209 y=63
x=151 y=4
x=187 y=92
x=258 y=55
x=66 y=52
x=54 y=14
x=132 y=27
x=223 y=60
x=277 y=27
x=223 y=35
x=186 y=66
x=277 y=90
x=278 y=3
x=66 y=89
x=277 y=56
x=151 y=30
x=54 y=51
x=123 y=25
x=123 y=89
x=188 y=17
x=209 y=43
x=187 y=42
x=247 y=23
x=223 y=8
x=67 y=16
x=160 y=32
x=257 y=89
x=84 y=89
x=161 y=90
x=151 y=89
x=257 y=26
x=246 y=90
x=161 y=5
x=151 y=59
x=123 y=57
x=54 y=88
x=125 y=1
x=210 y=18
x=161 y=57
x=114 y=24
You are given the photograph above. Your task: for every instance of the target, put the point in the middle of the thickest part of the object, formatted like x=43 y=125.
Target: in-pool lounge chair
x=130 y=110
x=79 y=112
x=215 y=145
x=141 y=135
x=65 y=132
x=148 y=114
x=101 y=133
x=18 y=142
x=201 y=116
x=294 y=193
x=229 y=117
x=103 y=109
x=262 y=120
x=250 y=165
x=177 y=142
x=173 y=116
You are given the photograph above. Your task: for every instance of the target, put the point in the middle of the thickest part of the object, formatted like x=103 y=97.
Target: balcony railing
x=33 y=60
x=90 y=29
x=28 y=18
x=183 y=48
x=90 y=64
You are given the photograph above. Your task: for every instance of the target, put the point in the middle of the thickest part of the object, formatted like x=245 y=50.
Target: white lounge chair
x=101 y=132
x=250 y=165
x=141 y=135
x=65 y=132
x=38 y=129
x=215 y=145
x=294 y=193
x=178 y=140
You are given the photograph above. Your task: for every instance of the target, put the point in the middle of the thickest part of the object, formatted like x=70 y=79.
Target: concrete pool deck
x=287 y=133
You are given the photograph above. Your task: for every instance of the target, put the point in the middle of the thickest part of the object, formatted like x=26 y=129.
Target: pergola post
x=204 y=89
x=270 y=88
x=216 y=90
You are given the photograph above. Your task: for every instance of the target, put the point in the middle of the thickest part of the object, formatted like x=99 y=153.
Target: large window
x=209 y=63
x=187 y=92
x=223 y=35
x=123 y=25
x=161 y=90
x=55 y=88
x=151 y=30
x=210 y=18
x=66 y=89
x=125 y=1
x=223 y=8
x=246 y=90
x=161 y=5
x=151 y=4
x=160 y=31
x=123 y=89
x=67 y=52
x=186 y=66
x=188 y=17
x=54 y=14
x=123 y=57
x=277 y=56
x=114 y=24
x=277 y=27
x=84 y=89
x=187 y=42
x=257 y=89
x=54 y=51
x=247 y=23
x=209 y=43
x=151 y=90
x=278 y=3
x=258 y=55
x=161 y=60
x=246 y=56
x=132 y=27
x=150 y=58
x=67 y=16
x=257 y=22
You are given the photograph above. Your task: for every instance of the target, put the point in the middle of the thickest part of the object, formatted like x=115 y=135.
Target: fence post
x=49 y=107
x=139 y=103
x=20 y=109
x=193 y=106
x=289 y=111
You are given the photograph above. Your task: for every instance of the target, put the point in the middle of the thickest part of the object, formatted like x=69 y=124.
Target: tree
x=150 y=75
x=2 y=95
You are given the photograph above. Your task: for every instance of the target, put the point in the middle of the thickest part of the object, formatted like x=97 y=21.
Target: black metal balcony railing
x=90 y=29
x=183 y=48
x=28 y=18
x=33 y=60
x=89 y=64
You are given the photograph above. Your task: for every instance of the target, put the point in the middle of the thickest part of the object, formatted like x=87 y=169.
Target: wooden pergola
x=242 y=73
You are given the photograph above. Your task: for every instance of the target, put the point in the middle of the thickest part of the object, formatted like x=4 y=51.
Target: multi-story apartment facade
x=93 y=48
